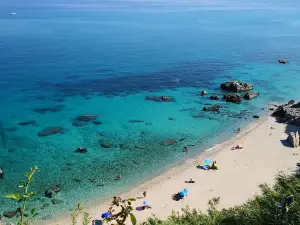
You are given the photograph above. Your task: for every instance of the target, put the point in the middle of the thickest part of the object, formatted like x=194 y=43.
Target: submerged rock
x=236 y=86
x=171 y=118
x=10 y=214
x=87 y=118
x=29 y=122
x=46 y=205
x=66 y=168
x=56 y=201
x=136 y=121
x=106 y=144
x=52 y=191
x=282 y=61
x=57 y=108
x=96 y=122
x=169 y=142
x=251 y=95
x=293 y=139
x=160 y=98
x=78 y=180
x=235 y=98
x=256 y=116
x=214 y=108
x=214 y=97
x=49 y=131
x=11 y=129
x=79 y=123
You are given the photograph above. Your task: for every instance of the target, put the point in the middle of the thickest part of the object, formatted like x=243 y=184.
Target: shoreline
x=176 y=171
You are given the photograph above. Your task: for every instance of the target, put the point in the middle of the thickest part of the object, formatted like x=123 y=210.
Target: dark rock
x=106 y=144
x=52 y=191
x=56 y=201
x=57 y=108
x=255 y=116
x=87 y=118
x=148 y=123
x=124 y=146
x=46 y=205
x=66 y=168
x=96 y=122
x=160 y=98
x=47 y=217
x=214 y=108
x=171 y=118
x=11 y=150
x=291 y=102
x=204 y=92
x=169 y=142
x=29 y=122
x=288 y=113
x=77 y=180
x=93 y=180
x=79 y=123
x=271 y=109
x=10 y=214
x=214 y=97
x=71 y=163
x=81 y=150
x=251 y=95
x=49 y=131
x=236 y=86
x=293 y=139
x=235 y=98
x=11 y=129
x=283 y=61
x=136 y=121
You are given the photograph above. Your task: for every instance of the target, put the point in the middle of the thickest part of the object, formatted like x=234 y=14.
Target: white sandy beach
x=240 y=173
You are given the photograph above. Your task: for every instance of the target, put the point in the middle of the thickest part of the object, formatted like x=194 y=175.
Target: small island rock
x=235 y=98
x=236 y=86
x=251 y=95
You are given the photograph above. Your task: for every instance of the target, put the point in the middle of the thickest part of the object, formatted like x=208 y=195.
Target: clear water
x=105 y=59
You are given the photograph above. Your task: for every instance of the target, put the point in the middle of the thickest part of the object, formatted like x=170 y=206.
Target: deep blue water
x=60 y=60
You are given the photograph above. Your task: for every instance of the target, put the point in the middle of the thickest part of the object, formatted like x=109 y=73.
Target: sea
x=61 y=60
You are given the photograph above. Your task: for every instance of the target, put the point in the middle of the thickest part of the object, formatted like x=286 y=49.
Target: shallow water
x=59 y=61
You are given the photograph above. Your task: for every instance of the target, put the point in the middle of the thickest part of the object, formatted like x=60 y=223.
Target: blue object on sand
x=186 y=191
x=106 y=215
x=98 y=222
x=147 y=203
x=208 y=161
x=206 y=167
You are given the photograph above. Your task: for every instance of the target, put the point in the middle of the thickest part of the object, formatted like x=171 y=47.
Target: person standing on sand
x=144 y=194
x=186 y=149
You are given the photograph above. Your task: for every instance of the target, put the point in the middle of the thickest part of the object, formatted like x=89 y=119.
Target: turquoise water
x=104 y=59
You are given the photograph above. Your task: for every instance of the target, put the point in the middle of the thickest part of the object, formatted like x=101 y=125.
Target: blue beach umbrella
x=106 y=215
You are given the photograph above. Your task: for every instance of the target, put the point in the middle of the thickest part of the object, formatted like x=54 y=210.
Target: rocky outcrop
x=81 y=150
x=160 y=98
x=293 y=139
x=96 y=122
x=236 y=86
x=106 y=144
x=52 y=191
x=204 y=92
x=255 y=116
x=251 y=95
x=136 y=121
x=235 y=98
x=79 y=123
x=49 y=131
x=214 y=108
x=10 y=214
x=44 y=110
x=214 y=97
x=169 y=142
x=87 y=117
x=288 y=113
x=29 y=122
x=282 y=61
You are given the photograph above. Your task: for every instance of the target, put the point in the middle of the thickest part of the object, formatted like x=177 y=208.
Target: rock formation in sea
x=44 y=110
x=282 y=61
x=236 y=86
x=52 y=191
x=204 y=92
x=235 y=98
x=214 y=108
x=214 y=97
x=288 y=113
x=160 y=98
x=49 y=131
x=251 y=95
x=293 y=139
x=87 y=117
x=29 y=122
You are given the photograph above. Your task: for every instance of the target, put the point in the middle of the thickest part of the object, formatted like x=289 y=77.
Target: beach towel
x=106 y=215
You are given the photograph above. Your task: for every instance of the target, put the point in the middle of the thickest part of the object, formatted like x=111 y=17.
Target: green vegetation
x=74 y=215
x=23 y=197
x=263 y=209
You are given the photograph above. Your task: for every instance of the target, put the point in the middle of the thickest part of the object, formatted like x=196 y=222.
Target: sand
x=241 y=171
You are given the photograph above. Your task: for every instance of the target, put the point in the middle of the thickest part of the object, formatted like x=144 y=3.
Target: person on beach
x=1 y=173
x=144 y=194
x=214 y=166
x=119 y=177
x=238 y=129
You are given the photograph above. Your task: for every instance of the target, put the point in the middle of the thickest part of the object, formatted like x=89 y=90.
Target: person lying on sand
x=237 y=147
x=191 y=181
x=214 y=166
